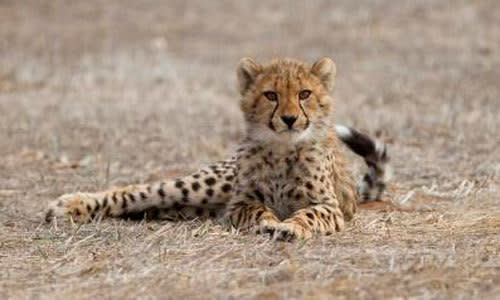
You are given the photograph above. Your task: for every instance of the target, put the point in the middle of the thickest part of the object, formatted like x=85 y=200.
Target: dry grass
x=99 y=93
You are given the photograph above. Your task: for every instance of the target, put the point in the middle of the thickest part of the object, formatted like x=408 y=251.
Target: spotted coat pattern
x=288 y=178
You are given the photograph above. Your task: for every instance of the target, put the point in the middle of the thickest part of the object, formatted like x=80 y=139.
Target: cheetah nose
x=289 y=120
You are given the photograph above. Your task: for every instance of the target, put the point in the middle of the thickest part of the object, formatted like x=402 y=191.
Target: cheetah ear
x=247 y=71
x=325 y=69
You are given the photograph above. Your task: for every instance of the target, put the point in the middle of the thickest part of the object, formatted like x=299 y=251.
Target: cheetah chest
x=281 y=180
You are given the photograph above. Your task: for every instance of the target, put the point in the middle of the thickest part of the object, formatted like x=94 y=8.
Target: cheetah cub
x=287 y=179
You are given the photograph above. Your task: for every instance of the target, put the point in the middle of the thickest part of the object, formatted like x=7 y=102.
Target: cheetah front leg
x=321 y=218
x=245 y=213
x=323 y=215
x=210 y=187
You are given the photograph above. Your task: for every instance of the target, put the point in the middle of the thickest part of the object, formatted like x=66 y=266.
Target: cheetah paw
x=285 y=231
x=70 y=205
x=289 y=232
x=267 y=227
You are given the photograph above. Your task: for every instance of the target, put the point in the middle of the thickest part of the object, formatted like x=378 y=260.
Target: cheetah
x=288 y=178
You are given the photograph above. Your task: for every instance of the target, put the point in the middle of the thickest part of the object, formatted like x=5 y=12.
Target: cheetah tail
x=374 y=152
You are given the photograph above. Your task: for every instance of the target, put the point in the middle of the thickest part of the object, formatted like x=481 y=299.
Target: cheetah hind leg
x=179 y=213
x=197 y=195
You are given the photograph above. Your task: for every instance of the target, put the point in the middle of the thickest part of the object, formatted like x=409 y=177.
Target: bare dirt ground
x=101 y=93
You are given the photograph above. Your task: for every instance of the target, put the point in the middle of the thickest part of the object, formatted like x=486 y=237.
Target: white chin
x=265 y=134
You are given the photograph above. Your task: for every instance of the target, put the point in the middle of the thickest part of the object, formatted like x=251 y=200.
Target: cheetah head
x=286 y=99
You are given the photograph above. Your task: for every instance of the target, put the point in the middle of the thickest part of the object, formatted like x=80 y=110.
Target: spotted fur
x=288 y=178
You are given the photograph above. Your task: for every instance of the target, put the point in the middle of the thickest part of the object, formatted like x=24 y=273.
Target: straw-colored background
x=100 y=93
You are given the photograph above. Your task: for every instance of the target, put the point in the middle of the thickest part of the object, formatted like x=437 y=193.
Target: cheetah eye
x=271 y=96
x=304 y=94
